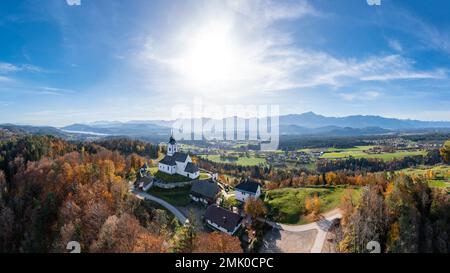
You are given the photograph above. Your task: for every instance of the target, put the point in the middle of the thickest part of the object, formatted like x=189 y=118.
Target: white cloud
x=10 y=68
x=426 y=34
x=395 y=45
x=407 y=75
x=232 y=56
x=56 y=90
x=5 y=79
x=360 y=96
x=7 y=68
x=265 y=12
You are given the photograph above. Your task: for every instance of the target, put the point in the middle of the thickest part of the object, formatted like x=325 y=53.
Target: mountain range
x=294 y=124
x=312 y=120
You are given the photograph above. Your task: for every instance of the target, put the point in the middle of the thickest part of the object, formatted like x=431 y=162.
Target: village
x=208 y=196
x=212 y=199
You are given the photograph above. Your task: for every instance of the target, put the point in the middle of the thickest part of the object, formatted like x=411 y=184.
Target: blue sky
x=134 y=60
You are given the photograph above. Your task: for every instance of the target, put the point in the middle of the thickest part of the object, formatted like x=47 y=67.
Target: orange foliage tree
x=217 y=243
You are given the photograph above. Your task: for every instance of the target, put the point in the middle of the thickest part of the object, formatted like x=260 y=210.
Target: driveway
x=145 y=196
x=197 y=211
x=321 y=227
x=281 y=241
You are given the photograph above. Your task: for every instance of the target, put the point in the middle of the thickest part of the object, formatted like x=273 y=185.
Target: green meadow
x=359 y=152
x=440 y=175
x=242 y=161
x=287 y=205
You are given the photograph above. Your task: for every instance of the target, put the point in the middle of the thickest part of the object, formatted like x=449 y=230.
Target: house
x=144 y=170
x=204 y=191
x=145 y=182
x=223 y=220
x=246 y=189
x=176 y=162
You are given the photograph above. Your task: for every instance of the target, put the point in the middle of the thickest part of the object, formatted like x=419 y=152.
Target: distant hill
x=295 y=124
x=332 y=131
x=133 y=128
x=312 y=120
x=45 y=130
x=36 y=130
x=306 y=124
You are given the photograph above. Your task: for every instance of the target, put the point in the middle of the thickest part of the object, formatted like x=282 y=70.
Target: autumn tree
x=59 y=192
x=313 y=204
x=404 y=215
x=254 y=207
x=183 y=241
x=3 y=186
x=331 y=178
x=367 y=223
x=217 y=242
x=408 y=204
x=124 y=234
x=6 y=228
x=445 y=152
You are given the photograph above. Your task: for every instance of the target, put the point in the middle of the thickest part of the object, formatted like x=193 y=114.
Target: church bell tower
x=172 y=146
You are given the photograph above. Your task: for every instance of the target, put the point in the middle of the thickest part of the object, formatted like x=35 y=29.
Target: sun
x=210 y=56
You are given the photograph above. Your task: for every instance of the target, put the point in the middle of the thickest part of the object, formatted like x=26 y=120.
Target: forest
x=349 y=171
x=403 y=215
x=53 y=192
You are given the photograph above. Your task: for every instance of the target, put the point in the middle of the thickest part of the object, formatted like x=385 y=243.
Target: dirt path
x=143 y=195
x=322 y=226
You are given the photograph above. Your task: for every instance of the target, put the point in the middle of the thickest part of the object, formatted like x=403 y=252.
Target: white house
x=222 y=219
x=247 y=189
x=176 y=162
x=145 y=183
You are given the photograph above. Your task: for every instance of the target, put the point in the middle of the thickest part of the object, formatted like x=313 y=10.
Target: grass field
x=177 y=197
x=171 y=178
x=356 y=148
x=288 y=205
x=176 y=177
x=332 y=149
x=153 y=170
x=440 y=174
x=438 y=184
x=358 y=152
x=242 y=161
x=203 y=176
x=442 y=171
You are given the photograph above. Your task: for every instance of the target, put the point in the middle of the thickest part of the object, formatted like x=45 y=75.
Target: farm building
x=204 y=191
x=222 y=219
x=247 y=188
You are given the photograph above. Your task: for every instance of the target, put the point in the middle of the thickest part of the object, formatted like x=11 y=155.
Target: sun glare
x=210 y=56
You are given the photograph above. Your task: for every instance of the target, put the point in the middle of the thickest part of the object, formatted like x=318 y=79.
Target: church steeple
x=172 y=146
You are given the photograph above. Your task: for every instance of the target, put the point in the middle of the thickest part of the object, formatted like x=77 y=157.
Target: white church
x=176 y=162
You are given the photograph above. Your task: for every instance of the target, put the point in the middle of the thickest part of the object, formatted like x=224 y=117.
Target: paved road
x=322 y=226
x=143 y=195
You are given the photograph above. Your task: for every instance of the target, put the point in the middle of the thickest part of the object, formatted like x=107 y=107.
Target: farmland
x=362 y=152
x=176 y=197
x=241 y=160
x=287 y=205
x=437 y=176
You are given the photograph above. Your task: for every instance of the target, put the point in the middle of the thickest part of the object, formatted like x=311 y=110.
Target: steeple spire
x=172 y=146
x=172 y=139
